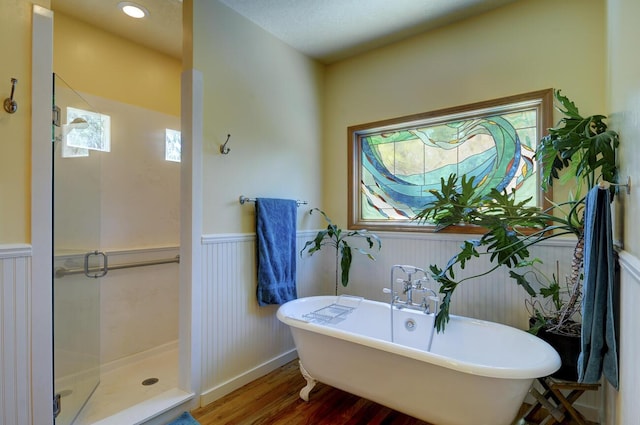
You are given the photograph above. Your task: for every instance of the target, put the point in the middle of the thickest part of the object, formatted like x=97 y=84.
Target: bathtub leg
x=304 y=392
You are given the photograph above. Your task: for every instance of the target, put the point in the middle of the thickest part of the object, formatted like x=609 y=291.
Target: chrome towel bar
x=242 y=199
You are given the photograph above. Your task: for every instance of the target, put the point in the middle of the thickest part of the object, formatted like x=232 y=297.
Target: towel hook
x=606 y=185
x=10 y=105
x=224 y=150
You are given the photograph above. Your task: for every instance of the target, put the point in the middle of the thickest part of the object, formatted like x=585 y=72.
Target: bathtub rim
x=543 y=367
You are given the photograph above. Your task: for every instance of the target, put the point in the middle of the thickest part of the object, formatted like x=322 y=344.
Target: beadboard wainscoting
x=242 y=341
x=15 y=334
x=495 y=297
x=622 y=406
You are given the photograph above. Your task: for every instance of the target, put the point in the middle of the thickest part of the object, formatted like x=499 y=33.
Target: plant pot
x=568 y=347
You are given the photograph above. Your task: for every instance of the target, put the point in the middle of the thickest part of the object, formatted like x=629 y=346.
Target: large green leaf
x=522 y=281
x=583 y=142
x=345 y=262
x=337 y=237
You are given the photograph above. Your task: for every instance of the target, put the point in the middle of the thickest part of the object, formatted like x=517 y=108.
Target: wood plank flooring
x=273 y=399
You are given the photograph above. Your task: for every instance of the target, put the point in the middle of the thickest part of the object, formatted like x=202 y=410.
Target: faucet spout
x=409 y=287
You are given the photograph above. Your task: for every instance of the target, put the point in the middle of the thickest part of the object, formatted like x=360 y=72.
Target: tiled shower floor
x=121 y=398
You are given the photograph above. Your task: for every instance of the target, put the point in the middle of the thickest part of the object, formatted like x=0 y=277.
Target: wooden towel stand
x=556 y=403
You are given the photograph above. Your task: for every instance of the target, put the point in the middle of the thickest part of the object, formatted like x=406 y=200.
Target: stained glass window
x=396 y=163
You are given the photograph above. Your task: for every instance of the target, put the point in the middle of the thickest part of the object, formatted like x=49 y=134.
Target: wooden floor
x=274 y=399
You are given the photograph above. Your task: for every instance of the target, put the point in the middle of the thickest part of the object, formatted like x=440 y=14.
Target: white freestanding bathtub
x=476 y=372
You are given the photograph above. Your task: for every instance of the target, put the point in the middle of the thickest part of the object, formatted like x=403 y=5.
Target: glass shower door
x=77 y=264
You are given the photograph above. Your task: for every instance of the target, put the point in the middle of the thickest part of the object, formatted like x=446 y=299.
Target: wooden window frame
x=542 y=100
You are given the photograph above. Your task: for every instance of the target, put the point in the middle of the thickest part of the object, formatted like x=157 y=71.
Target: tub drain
x=150 y=381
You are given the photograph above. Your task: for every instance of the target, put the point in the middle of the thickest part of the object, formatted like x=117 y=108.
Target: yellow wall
x=15 y=129
x=111 y=67
x=624 y=105
x=525 y=46
x=94 y=61
x=268 y=97
x=256 y=83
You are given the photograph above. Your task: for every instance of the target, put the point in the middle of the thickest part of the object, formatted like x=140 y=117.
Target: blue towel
x=599 y=353
x=184 y=419
x=276 y=239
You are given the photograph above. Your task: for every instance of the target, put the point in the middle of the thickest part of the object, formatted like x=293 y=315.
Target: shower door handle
x=103 y=270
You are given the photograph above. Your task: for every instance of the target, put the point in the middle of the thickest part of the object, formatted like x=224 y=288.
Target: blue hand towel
x=599 y=352
x=184 y=419
x=276 y=239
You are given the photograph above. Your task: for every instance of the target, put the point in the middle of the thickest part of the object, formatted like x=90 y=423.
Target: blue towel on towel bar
x=599 y=353
x=276 y=240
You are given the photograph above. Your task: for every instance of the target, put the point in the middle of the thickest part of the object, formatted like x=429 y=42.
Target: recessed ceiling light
x=133 y=10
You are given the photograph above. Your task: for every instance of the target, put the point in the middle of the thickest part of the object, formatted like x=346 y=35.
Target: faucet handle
x=394 y=294
x=418 y=285
x=427 y=306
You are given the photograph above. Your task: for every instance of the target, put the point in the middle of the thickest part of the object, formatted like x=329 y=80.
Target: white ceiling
x=327 y=30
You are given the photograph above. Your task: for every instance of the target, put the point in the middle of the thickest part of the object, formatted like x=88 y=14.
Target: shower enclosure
x=114 y=190
x=78 y=265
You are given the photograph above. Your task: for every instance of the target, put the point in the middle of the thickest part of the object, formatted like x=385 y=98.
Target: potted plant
x=338 y=238
x=549 y=298
x=584 y=150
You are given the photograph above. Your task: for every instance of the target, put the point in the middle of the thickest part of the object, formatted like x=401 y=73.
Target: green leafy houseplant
x=338 y=239
x=584 y=150
x=548 y=299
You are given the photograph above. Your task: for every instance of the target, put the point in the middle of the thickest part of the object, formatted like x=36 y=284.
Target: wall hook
x=607 y=185
x=10 y=105
x=224 y=150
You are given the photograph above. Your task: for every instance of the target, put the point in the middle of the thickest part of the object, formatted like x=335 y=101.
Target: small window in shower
x=94 y=133
x=172 y=145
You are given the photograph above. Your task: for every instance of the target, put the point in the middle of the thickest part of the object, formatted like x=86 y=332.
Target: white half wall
x=15 y=335
x=242 y=341
x=622 y=406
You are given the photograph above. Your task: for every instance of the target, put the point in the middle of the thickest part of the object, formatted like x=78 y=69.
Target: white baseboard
x=233 y=384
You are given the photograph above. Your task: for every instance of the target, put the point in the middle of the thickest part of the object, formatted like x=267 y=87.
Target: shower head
x=77 y=123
